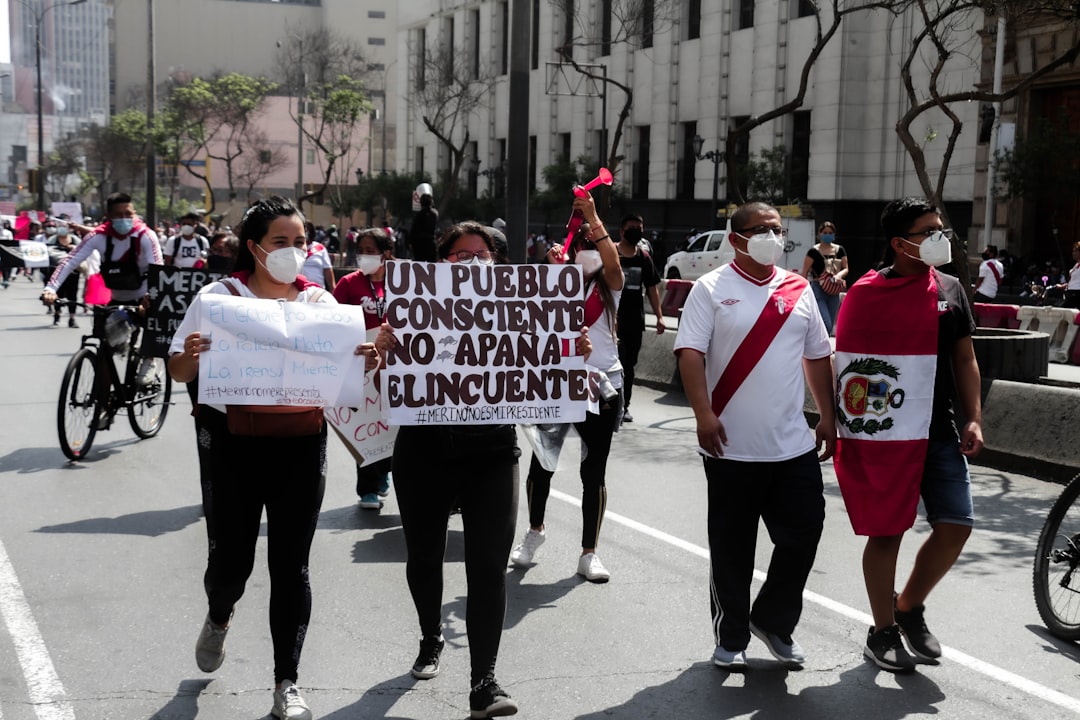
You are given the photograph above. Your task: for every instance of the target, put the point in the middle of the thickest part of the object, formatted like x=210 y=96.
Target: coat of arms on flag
x=868 y=391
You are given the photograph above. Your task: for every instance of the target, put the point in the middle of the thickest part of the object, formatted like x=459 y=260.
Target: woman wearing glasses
x=594 y=250
x=476 y=467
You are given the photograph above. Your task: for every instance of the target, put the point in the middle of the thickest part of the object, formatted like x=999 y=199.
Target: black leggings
x=596 y=432
x=68 y=293
x=477 y=466
x=243 y=475
x=629 y=349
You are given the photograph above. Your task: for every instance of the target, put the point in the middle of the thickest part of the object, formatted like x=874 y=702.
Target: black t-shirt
x=638 y=273
x=818 y=268
x=954 y=324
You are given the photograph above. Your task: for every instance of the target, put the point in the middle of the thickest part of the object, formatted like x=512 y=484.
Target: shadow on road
x=522 y=599
x=376 y=701
x=185 y=704
x=761 y=693
x=151 y=523
x=1054 y=645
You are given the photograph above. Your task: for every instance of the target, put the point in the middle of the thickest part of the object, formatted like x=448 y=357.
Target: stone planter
x=1019 y=355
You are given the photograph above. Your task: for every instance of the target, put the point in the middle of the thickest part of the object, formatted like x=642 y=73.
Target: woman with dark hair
x=595 y=251
x=826 y=266
x=364 y=287
x=250 y=466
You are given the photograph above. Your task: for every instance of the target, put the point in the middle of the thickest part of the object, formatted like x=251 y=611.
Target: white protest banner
x=73 y=210
x=279 y=353
x=484 y=344
x=364 y=429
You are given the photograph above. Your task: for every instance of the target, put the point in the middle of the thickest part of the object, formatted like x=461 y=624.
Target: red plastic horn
x=603 y=177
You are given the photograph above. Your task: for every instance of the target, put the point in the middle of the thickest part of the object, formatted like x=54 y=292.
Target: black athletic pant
x=596 y=432
x=629 y=348
x=369 y=477
x=434 y=467
x=68 y=293
x=788 y=496
x=287 y=476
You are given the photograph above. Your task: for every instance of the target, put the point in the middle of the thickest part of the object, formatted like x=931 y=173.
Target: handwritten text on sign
x=279 y=353
x=171 y=291
x=483 y=345
x=364 y=429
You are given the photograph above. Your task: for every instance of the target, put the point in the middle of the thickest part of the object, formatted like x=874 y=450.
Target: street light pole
x=39 y=19
x=299 y=118
x=717 y=157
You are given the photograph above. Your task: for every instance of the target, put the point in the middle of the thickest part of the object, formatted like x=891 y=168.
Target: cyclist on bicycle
x=127 y=248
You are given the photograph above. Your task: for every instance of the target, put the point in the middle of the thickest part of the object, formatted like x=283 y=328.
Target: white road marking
x=991 y=671
x=46 y=692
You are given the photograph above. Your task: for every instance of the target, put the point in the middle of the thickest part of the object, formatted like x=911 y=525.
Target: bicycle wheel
x=77 y=410
x=149 y=401
x=1057 y=566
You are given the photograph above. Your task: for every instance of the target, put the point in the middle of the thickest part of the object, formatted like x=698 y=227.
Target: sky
x=5 y=35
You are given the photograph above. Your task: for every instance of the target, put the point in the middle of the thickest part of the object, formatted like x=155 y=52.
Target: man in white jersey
x=746 y=330
x=990 y=273
x=187 y=248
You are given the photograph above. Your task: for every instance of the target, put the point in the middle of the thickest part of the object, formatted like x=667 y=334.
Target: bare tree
x=252 y=168
x=448 y=93
x=947 y=26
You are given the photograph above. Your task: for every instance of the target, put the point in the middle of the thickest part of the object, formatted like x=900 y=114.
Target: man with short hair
x=990 y=273
x=187 y=248
x=903 y=349
x=749 y=334
x=639 y=275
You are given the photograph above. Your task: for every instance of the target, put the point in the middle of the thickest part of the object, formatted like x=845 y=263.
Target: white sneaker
x=288 y=704
x=590 y=567
x=522 y=555
x=148 y=370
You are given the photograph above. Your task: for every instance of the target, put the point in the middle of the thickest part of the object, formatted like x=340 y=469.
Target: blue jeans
x=946 y=485
x=828 y=306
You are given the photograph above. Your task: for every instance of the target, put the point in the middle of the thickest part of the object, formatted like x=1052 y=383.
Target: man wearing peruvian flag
x=903 y=347
x=748 y=334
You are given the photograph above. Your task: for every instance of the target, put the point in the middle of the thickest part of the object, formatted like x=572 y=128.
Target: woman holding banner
x=254 y=459
x=364 y=287
x=595 y=251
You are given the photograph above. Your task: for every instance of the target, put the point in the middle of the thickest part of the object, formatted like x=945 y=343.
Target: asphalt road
x=101 y=595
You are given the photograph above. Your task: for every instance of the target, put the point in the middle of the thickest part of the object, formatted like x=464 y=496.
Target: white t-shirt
x=1074 y=278
x=764 y=419
x=316 y=264
x=149 y=254
x=989 y=284
x=186 y=251
x=605 y=349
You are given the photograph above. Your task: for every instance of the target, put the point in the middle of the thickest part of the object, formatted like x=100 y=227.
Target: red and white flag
x=886 y=360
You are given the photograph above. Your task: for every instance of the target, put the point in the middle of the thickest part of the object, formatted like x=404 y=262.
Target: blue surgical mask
x=122 y=226
x=827 y=237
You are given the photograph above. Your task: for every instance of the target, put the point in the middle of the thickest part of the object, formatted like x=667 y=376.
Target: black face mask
x=985 y=256
x=632 y=236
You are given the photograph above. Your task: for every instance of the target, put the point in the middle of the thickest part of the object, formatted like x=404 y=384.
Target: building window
x=742 y=155
x=641 y=168
x=648 y=19
x=376 y=41
x=450 y=51
x=309 y=156
x=804 y=8
x=534 y=58
x=420 y=160
x=474 y=22
x=564 y=142
x=376 y=14
x=421 y=58
x=800 y=154
x=605 y=27
x=746 y=15
x=693 y=19
x=265 y=157
x=687 y=165
x=472 y=162
x=532 y=163
x=568 y=30
x=377 y=67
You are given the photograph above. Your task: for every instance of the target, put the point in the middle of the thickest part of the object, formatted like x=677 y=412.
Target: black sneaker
x=427 y=661
x=886 y=649
x=72 y=323
x=488 y=700
x=921 y=641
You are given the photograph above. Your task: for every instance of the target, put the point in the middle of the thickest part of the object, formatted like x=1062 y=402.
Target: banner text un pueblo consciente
x=484 y=344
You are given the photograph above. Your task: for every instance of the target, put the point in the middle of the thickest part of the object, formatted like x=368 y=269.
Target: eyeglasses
x=947 y=232
x=761 y=230
x=484 y=257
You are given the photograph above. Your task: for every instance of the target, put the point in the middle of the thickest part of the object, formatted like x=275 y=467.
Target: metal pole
x=151 y=103
x=999 y=64
x=715 y=184
x=300 y=126
x=40 y=120
x=517 y=184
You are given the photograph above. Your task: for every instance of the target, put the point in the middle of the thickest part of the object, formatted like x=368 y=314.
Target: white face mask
x=589 y=260
x=187 y=230
x=283 y=264
x=935 y=250
x=369 y=264
x=764 y=248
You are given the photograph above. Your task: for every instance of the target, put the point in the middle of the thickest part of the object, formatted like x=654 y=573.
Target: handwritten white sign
x=482 y=345
x=265 y=352
x=365 y=430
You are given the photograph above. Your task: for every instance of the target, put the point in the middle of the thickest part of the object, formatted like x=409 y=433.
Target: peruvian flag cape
x=886 y=360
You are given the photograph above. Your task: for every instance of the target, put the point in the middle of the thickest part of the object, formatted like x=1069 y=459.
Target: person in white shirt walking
x=187 y=249
x=990 y=273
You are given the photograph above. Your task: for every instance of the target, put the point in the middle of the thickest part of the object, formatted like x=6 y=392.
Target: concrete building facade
x=703 y=68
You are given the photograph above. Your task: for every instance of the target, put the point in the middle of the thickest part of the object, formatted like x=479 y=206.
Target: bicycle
x=1056 y=575
x=91 y=393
